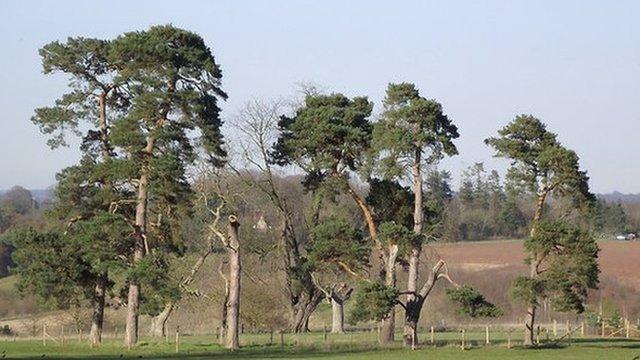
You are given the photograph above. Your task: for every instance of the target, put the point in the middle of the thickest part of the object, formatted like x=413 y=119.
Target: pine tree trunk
x=387 y=328
x=412 y=315
x=337 y=318
x=530 y=317
x=233 y=304
x=388 y=323
x=159 y=322
x=529 y=325
x=97 y=319
x=414 y=303
x=133 y=301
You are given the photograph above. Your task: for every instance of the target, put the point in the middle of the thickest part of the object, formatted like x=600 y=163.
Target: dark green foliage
x=335 y=241
x=410 y=123
x=472 y=303
x=391 y=202
x=484 y=212
x=528 y=290
x=511 y=219
x=326 y=136
x=437 y=197
x=374 y=301
x=90 y=67
x=169 y=70
x=153 y=273
x=540 y=162
x=51 y=268
x=61 y=268
x=568 y=266
x=390 y=233
x=609 y=218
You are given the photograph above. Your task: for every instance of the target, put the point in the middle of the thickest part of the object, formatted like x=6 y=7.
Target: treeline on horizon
x=159 y=190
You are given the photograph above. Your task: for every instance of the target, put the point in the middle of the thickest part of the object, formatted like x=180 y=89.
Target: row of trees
x=155 y=182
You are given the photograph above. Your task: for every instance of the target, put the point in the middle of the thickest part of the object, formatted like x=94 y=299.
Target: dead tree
x=257 y=122
x=233 y=301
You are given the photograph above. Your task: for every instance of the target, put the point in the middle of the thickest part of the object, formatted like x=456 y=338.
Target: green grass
x=354 y=346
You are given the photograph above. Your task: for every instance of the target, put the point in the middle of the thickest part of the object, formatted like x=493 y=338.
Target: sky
x=573 y=64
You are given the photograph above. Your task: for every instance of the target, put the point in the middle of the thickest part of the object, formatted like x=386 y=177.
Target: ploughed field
x=618 y=259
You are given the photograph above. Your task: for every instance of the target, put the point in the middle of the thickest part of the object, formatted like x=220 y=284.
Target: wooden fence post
x=62 y=334
x=281 y=339
x=177 y=338
x=555 y=328
x=432 y=336
x=582 y=329
x=538 y=334
x=80 y=336
x=324 y=332
x=602 y=323
x=626 y=323
x=509 y=339
x=567 y=326
x=569 y=335
x=462 y=347
x=44 y=334
x=486 y=334
x=115 y=333
x=271 y=336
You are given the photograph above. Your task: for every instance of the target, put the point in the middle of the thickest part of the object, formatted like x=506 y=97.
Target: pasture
x=358 y=345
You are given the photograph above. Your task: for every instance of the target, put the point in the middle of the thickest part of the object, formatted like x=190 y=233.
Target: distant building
x=261 y=225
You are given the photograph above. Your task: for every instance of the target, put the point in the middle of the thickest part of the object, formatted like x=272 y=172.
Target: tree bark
x=303 y=310
x=133 y=301
x=97 y=319
x=388 y=323
x=159 y=322
x=530 y=317
x=337 y=318
x=233 y=303
x=413 y=303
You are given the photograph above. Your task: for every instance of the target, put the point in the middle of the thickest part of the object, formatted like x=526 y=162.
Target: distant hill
x=40 y=195
x=618 y=197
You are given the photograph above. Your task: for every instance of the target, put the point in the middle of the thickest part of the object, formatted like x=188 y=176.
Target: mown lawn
x=313 y=346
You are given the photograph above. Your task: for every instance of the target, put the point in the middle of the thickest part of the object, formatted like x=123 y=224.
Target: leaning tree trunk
x=337 y=318
x=303 y=310
x=233 y=304
x=530 y=316
x=97 y=319
x=159 y=322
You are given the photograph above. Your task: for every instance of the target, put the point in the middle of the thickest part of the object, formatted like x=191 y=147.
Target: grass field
x=313 y=346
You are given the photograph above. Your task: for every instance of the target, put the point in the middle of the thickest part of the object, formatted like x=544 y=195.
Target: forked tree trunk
x=159 y=322
x=97 y=319
x=233 y=304
x=337 y=318
x=303 y=310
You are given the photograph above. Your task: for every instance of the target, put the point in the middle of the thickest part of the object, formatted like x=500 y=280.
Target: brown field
x=619 y=260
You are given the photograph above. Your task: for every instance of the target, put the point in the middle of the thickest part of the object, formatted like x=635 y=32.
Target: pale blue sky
x=574 y=64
